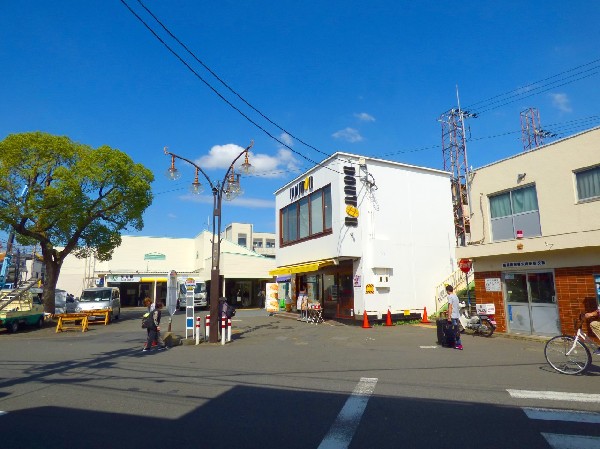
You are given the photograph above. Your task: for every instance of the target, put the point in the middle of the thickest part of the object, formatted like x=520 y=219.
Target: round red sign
x=465 y=265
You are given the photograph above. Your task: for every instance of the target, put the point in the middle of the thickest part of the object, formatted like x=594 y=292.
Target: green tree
x=78 y=198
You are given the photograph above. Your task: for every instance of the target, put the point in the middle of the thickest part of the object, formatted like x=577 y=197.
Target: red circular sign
x=465 y=265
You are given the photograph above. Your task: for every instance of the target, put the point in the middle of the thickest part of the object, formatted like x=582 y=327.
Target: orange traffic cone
x=388 y=321
x=425 y=320
x=365 y=321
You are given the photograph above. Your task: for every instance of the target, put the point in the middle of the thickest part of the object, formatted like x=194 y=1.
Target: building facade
x=535 y=235
x=140 y=267
x=363 y=234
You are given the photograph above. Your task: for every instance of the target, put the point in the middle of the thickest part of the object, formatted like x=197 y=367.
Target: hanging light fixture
x=247 y=168
x=196 y=188
x=172 y=173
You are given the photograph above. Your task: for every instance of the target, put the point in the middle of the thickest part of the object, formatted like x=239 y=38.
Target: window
x=270 y=243
x=588 y=184
x=257 y=244
x=307 y=217
x=516 y=210
x=242 y=239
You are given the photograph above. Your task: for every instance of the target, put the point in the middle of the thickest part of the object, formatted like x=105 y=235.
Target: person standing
x=302 y=303
x=154 y=329
x=454 y=314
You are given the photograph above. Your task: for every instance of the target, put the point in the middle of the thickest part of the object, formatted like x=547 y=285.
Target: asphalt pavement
x=285 y=383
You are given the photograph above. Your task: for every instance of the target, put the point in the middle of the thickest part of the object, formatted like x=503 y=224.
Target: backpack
x=146 y=320
x=230 y=312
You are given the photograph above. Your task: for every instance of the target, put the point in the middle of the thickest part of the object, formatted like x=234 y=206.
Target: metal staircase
x=8 y=296
x=458 y=280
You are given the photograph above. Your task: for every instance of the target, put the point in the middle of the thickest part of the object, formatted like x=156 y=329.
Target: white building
x=140 y=265
x=365 y=234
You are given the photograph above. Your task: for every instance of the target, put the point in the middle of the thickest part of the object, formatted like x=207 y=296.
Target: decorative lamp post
x=228 y=189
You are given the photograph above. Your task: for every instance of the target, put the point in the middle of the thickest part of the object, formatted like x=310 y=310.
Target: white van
x=100 y=298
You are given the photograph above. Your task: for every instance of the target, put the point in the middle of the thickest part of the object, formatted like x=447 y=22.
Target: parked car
x=100 y=298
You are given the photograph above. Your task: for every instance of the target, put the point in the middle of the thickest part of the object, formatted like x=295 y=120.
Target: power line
x=174 y=53
x=227 y=85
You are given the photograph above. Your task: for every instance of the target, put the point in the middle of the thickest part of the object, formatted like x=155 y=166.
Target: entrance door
x=531 y=303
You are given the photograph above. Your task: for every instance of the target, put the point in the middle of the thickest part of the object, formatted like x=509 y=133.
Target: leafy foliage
x=78 y=198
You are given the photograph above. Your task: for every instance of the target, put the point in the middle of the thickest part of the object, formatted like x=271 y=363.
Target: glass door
x=531 y=303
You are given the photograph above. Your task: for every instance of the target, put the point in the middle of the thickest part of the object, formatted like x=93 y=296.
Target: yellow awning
x=301 y=268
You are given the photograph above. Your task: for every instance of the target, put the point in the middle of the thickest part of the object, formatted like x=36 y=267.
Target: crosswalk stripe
x=547 y=414
x=571 y=441
x=555 y=395
x=342 y=430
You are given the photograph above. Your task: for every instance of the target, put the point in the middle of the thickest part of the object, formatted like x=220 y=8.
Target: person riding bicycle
x=595 y=324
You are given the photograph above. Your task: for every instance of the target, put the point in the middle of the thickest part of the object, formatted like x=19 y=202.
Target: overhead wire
x=489 y=104
x=216 y=92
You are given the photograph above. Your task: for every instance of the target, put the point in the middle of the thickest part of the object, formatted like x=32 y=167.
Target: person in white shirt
x=454 y=313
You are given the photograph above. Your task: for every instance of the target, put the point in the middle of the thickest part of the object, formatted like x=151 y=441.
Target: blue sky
x=368 y=78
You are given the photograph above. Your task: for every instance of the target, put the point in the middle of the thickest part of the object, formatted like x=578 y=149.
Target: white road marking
x=555 y=395
x=342 y=430
x=2 y=413
x=547 y=414
x=428 y=347
x=571 y=441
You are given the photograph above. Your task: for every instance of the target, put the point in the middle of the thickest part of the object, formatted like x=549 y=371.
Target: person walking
x=153 y=329
x=454 y=314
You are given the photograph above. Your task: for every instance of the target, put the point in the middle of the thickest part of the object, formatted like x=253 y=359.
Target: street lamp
x=228 y=189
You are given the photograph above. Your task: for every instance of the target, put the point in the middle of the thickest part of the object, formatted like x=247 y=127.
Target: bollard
x=207 y=327
x=198 y=324
x=228 y=330
x=223 y=330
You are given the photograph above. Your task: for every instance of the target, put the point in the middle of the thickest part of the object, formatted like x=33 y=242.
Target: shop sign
x=123 y=278
x=357 y=280
x=536 y=263
x=350 y=197
x=154 y=256
x=304 y=186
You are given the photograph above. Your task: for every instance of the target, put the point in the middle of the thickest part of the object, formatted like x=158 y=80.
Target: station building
x=365 y=235
x=141 y=265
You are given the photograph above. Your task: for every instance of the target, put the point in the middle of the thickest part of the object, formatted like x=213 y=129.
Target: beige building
x=243 y=234
x=535 y=235
x=140 y=265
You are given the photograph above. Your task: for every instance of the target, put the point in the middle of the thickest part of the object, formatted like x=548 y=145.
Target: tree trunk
x=53 y=265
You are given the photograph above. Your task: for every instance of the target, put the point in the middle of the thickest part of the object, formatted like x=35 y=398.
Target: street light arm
x=168 y=153
x=224 y=183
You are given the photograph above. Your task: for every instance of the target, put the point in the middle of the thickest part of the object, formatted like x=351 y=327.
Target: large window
x=588 y=184
x=308 y=217
x=516 y=210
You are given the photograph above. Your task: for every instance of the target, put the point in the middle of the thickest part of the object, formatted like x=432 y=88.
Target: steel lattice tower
x=532 y=133
x=454 y=153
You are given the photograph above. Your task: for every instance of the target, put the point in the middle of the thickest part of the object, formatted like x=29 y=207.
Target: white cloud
x=242 y=201
x=220 y=156
x=364 y=117
x=286 y=138
x=561 y=102
x=349 y=135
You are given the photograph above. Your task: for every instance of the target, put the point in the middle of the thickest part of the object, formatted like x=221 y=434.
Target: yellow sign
x=351 y=211
x=369 y=289
x=306 y=183
x=406 y=312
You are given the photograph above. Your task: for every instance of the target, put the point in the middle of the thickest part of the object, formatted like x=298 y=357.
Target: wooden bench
x=101 y=313
x=68 y=321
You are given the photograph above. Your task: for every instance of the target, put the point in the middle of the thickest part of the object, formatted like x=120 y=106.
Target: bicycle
x=570 y=355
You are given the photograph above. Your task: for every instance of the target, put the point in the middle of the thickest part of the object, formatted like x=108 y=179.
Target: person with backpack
x=152 y=323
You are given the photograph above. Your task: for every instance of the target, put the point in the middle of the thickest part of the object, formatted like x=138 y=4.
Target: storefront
x=365 y=235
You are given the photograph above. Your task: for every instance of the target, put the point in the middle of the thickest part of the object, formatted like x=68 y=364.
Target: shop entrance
x=338 y=295
x=531 y=302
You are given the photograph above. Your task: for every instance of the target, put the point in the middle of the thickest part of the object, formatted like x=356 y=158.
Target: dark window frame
x=294 y=209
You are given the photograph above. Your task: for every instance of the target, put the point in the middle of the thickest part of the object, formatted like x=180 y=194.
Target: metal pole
x=214 y=272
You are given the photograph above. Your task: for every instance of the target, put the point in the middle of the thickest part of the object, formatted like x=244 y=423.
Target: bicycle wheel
x=567 y=356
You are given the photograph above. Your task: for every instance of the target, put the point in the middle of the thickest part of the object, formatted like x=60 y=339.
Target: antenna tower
x=454 y=153
x=532 y=133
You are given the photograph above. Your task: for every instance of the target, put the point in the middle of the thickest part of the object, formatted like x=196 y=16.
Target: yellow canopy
x=301 y=268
